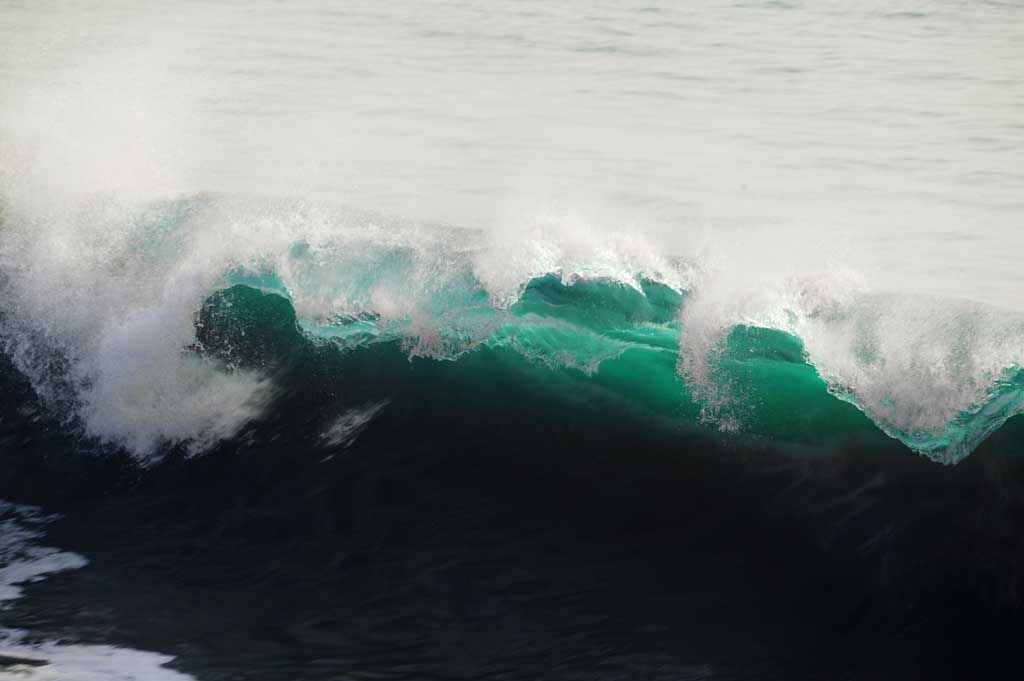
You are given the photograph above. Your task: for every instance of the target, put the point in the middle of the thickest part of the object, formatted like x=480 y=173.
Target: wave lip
x=939 y=375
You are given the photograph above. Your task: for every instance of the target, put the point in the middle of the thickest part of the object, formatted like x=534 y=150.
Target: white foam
x=912 y=363
x=73 y=662
x=116 y=318
x=22 y=561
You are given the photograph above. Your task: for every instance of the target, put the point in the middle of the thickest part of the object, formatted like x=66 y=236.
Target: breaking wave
x=153 y=324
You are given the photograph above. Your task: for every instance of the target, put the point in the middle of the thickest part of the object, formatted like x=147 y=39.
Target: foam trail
x=53 y=661
x=346 y=428
x=24 y=560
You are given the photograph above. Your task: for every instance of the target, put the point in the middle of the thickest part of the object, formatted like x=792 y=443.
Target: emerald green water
x=595 y=338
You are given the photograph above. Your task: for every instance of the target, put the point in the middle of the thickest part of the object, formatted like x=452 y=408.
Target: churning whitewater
x=139 y=323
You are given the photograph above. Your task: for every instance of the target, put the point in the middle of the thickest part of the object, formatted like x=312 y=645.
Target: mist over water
x=881 y=137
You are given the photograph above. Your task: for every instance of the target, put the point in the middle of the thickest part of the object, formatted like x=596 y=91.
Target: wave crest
x=104 y=301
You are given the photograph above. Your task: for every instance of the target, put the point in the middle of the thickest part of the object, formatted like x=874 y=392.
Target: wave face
x=167 y=324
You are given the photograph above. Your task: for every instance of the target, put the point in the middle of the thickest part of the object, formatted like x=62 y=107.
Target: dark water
x=482 y=526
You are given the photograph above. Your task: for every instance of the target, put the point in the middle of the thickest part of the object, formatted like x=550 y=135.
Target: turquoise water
x=621 y=338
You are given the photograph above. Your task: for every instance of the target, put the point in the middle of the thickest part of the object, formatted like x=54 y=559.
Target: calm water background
x=887 y=137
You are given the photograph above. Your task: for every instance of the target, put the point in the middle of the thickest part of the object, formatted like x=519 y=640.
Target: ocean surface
x=511 y=340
